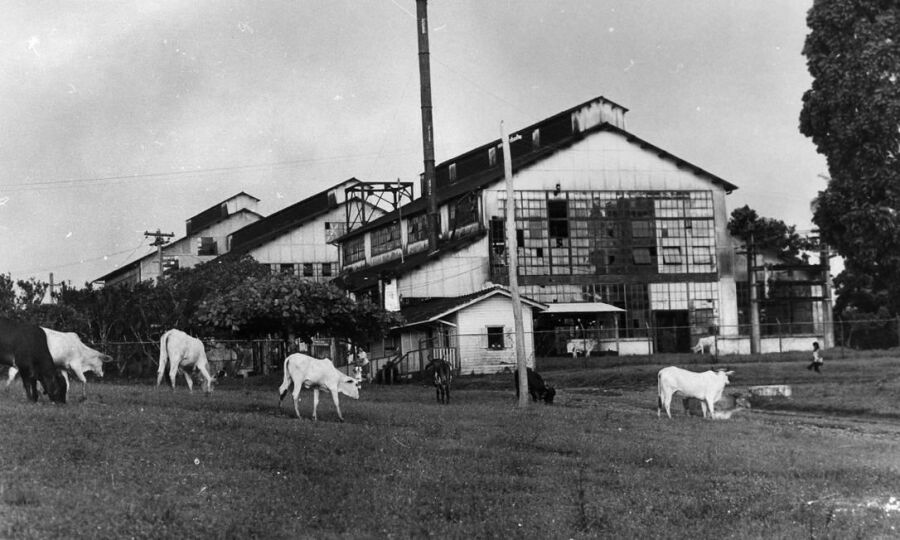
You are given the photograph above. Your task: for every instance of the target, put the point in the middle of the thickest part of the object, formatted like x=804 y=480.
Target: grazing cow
x=24 y=347
x=583 y=346
x=707 y=387
x=302 y=371
x=704 y=344
x=536 y=387
x=69 y=353
x=442 y=376
x=181 y=352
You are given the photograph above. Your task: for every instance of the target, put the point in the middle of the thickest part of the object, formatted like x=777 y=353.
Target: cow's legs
x=11 y=376
x=188 y=378
x=80 y=374
x=665 y=402
x=296 y=395
x=710 y=408
x=337 y=405
x=316 y=403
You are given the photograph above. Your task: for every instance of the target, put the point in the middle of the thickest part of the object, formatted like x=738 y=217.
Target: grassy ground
x=136 y=462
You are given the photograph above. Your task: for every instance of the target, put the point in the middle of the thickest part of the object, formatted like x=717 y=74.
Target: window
x=206 y=246
x=641 y=229
x=672 y=255
x=307 y=270
x=642 y=256
x=386 y=238
x=492 y=156
x=417 y=228
x=558 y=213
x=536 y=138
x=701 y=255
x=495 y=337
x=354 y=250
x=326 y=269
x=286 y=268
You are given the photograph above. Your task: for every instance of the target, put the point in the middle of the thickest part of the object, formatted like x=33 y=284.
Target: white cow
x=707 y=387
x=317 y=373
x=181 y=351
x=70 y=354
x=704 y=343
x=584 y=346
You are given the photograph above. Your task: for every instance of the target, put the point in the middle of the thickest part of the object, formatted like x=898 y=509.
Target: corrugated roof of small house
x=433 y=309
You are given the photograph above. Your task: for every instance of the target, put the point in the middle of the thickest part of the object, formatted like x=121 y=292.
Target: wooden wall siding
x=303 y=244
x=463 y=272
x=472 y=334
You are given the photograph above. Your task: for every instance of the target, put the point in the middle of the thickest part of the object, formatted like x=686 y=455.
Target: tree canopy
x=767 y=234
x=852 y=115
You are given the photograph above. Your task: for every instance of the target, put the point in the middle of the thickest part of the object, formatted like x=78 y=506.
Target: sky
x=125 y=117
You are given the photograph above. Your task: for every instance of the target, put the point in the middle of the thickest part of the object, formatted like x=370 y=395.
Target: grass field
x=132 y=461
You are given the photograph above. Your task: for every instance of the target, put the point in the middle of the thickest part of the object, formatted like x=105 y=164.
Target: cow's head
x=549 y=394
x=54 y=386
x=349 y=387
x=724 y=375
x=95 y=363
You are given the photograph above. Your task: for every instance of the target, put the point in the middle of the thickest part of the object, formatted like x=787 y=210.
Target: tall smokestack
x=428 y=181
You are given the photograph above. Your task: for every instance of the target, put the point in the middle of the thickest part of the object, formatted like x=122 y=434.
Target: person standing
x=816 y=359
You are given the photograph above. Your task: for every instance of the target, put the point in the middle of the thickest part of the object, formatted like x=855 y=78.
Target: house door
x=673 y=331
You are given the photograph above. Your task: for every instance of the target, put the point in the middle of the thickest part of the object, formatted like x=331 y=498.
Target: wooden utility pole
x=754 y=302
x=159 y=241
x=511 y=254
x=428 y=185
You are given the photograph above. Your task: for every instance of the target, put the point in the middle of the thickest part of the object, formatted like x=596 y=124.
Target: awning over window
x=579 y=307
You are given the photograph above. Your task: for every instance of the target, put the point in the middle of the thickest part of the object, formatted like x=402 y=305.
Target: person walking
x=817 y=358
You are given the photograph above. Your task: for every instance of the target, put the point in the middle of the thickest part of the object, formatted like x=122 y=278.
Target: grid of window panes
x=632 y=297
x=614 y=232
x=354 y=250
x=417 y=228
x=386 y=238
x=318 y=271
x=701 y=299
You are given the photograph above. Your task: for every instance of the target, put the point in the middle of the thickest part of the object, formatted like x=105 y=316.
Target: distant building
x=205 y=238
x=299 y=238
x=624 y=242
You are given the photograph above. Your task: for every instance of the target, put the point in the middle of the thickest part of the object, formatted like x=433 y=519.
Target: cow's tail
x=163 y=357
x=286 y=382
x=659 y=403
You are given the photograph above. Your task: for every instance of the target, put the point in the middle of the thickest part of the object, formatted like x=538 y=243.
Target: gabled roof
x=215 y=214
x=286 y=219
x=557 y=133
x=434 y=309
x=354 y=280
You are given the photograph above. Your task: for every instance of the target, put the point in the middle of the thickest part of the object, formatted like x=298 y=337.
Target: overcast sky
x=121 y=117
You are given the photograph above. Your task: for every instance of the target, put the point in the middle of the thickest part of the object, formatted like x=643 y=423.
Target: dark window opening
x=558 y=213
x=495 y=337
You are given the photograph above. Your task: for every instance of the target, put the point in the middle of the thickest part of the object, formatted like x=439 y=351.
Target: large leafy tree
x=767 y=234
x=284 y=304
x=852 y=115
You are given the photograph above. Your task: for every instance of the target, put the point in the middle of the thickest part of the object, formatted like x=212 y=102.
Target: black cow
x=536 y=386
x=24 y=346
x=443 y=376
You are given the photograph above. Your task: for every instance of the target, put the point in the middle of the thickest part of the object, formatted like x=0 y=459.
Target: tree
x=852 y=114
x=767 y=234
x=285 y=304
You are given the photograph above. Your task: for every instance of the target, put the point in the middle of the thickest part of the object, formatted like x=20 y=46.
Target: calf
x=442 y=376
x=536 y=387
x=70 y=354
x=302 y=371
x=24 y=347
x=704 y=344
x=181 y=352
x=707 y=387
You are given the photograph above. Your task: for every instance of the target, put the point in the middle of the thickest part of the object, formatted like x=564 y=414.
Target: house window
x=558 y=213
x=286 y=268
x=386 y=238
x=354 y=250
x=641 y=256
x=464 y=211
x=326 y=269
x=206 y=246
x=307 y=270
x=672 y=255
x=495 y=337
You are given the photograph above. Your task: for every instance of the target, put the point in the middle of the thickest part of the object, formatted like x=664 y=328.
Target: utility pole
x=754 y=302
x=511 y=254
x=428 y=184
x=159 y=241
